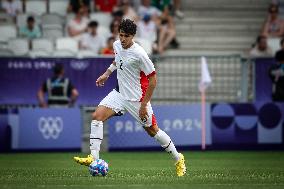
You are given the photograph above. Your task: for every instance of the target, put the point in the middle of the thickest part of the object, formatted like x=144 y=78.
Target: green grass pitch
x=143 y=170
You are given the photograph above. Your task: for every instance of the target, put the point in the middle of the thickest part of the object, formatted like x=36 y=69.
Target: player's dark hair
x=58 y=69
x=279 y=56
x=128 y=26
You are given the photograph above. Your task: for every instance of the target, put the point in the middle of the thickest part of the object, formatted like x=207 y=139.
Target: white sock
x=96 y=138
x=167 y=144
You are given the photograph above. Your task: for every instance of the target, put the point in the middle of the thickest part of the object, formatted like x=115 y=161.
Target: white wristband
x=112 y=67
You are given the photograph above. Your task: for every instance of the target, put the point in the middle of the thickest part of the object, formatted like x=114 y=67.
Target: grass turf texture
x=145 y=170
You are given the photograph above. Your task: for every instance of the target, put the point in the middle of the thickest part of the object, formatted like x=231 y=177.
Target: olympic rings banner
x=52 y=128
x=20 y=78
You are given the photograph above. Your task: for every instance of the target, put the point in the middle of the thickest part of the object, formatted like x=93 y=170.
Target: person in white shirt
x=91 y=40
x=12 y=7
x=78 y=25
x=261 y=48
x=137 y=80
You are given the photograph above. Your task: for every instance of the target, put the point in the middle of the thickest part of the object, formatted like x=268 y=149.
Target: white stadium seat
x=104 y=19
x=36 y=7
x=19 y=46
x=58 y=6
x=51 y=20
x=42 y=44
x=146 y=44
x=7 y=32
x=63 y=53
x=66 y=43
x=52 y=32
x=274 y=44
x=86 y=54
x=38 y=53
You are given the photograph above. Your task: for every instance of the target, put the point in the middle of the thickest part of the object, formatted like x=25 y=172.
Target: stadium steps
x=219 y=27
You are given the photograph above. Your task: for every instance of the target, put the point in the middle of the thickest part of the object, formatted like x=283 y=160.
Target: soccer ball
x=98 y=168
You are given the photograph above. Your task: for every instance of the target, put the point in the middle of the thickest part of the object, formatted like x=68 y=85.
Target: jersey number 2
x=120 y=66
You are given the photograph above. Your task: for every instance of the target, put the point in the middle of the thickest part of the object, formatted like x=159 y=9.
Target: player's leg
x=151 y=127
x=165 y=141
x=101 y=114
x=108 y=107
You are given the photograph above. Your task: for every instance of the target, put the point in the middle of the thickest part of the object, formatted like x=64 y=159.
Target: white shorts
x=115 y=101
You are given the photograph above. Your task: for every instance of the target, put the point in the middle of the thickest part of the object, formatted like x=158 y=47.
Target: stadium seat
x=274 y=43
x=51 y=20
x=104 y=32
x=38 y=53
x=7 y=32
x=22 y=20
x=66 y=43
x=19 y=46
x=86 y=54
x=58 y=6
x=42 y=44
x=146 y=44
x=104 y=19
x=36 y=7
x=63 y=53
x=52 y=32
x=6 y=52
x=6 y=19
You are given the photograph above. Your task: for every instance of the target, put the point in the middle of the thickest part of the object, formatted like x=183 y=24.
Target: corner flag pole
x=205 y=81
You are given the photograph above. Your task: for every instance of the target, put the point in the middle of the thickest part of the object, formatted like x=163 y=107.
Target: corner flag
x=205 y=81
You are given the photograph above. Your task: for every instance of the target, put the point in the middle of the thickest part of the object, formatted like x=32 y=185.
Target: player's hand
x=143 y=113
x=101 y=80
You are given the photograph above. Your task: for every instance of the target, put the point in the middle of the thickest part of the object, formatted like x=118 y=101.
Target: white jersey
x=133 y=69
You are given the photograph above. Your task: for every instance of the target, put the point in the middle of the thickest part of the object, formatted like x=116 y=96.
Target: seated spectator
x=12 y=7
x=108 y=50
x=273 y=27
x=276 y=73
x=78 y=25
x=261 y=49
x=178 y=13
x=107 y=6
x=74 y=5
x=147 y=29
x=128 y=11
x=146 y=9
x=31 y=30
x=167 y=30
x=114 y=29
x=91 y=40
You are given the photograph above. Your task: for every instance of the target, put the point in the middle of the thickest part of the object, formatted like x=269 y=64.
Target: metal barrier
x=178 y=79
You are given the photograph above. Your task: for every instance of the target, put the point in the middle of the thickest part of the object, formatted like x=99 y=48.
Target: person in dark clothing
x=59 y=89
x=276 y=73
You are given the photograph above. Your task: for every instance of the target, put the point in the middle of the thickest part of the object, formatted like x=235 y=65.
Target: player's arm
x=102 y=79
x=149 y=92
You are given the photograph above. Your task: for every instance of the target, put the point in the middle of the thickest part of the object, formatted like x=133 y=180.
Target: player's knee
x=97 y=116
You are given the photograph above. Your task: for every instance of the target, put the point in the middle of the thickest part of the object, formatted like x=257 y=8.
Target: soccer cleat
x=180 y=166
x=84 y=161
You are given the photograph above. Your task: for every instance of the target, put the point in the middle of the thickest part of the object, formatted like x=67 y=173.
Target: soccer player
x=136 y=82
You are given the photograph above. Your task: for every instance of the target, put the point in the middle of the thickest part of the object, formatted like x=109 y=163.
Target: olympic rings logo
x=50 y=127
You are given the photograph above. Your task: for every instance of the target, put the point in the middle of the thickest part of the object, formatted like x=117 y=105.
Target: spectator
x=108 y=50
x=147 y=29
x=107 y=6
x=167 y=30
x=60 y=91
x=91 y=40
x=78 y=25
x=74 y=5
x=146 y=9
x=12 y=7
x=178 y=13
x=261 y=49
x=31 y=30
x=276 y=73
x=114 y=29
x=128 y=11
x=273 y=27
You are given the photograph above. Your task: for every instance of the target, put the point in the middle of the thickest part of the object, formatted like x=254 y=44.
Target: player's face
x=125 y=39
